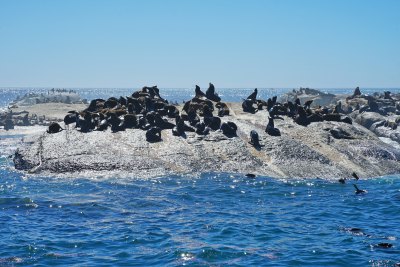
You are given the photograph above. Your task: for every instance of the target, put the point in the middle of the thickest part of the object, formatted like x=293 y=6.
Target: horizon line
x=61 y=87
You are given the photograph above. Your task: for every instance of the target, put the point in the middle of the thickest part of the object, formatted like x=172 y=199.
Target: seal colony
x=144 y=135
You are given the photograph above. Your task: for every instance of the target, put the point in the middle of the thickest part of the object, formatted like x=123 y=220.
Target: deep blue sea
x=217 y=219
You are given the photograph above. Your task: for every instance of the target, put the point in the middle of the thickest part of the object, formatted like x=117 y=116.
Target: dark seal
x=153 y=134
x=54 y=128
x=254 y=139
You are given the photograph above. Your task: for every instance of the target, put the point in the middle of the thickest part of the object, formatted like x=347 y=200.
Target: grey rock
x=303 y=152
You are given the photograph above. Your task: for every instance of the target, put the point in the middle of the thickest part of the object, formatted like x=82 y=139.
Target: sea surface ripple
x=216 y=219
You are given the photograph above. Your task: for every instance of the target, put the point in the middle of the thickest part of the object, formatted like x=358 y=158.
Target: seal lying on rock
x=172 y=111
x=162 y=124
x=339 y=133
x=223 y=109
x=201 y=128
x=229 y=128
x=181 y=127
x=261 y=103
x=54 y=128
x=278 y=110
x=71 y=117
x=102 y=126
x=206 y=112
x=130 y=121
x=213 y=122
x=143 y=124
x=115 y=122
x=153 y=134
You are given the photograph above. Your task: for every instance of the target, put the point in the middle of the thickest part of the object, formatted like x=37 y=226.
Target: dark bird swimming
x=358 y=190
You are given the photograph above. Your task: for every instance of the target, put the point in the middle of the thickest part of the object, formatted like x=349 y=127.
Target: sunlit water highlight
x=216 y=219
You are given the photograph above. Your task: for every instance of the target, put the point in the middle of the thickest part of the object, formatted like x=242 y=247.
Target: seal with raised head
x=307 y=104
x=95 y=105
x=357 y=92
x=253 y=96
x=271 y=130
x=254 y=139
x=192 y=116
x=247 y=106
x=301 y=117
x=179 y=129
x=210 y=93
x=198 y=92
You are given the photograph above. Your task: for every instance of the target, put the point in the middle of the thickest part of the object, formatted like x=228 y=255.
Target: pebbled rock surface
x=375 y=123
x=301 y=152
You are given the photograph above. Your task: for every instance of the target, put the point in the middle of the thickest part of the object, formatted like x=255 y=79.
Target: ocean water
x=215 y=219
x=174 y=94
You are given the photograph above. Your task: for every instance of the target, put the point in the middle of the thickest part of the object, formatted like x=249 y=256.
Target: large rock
x=304 y=94
x=306 y=152
x=376 y=124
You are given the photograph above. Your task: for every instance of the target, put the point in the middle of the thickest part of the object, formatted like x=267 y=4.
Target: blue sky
x=249 y=43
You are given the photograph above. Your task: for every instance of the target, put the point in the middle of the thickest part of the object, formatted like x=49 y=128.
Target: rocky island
x=41 y=108
x=302 y=134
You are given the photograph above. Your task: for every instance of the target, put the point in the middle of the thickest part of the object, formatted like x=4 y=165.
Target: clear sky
x=232 y=43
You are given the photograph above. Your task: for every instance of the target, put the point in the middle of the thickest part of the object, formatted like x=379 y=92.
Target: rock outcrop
x=327 y=149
